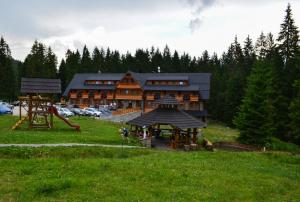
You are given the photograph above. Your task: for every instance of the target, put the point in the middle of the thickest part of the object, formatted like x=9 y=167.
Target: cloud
x=198 y=6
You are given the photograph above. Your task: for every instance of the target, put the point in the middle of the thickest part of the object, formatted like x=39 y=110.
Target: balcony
x=73 y=95
x=85 y=96
x=129 y=86
x=179 y=98
x=110 y=97
x=97 y=96
x=129 y=97
x=194 y=98
x=150 y=97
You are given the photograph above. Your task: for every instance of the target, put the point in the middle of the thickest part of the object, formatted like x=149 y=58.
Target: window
x=186 y=97
x=109 y=82
x=97 y=82
x=157 y=96
x=181 y=83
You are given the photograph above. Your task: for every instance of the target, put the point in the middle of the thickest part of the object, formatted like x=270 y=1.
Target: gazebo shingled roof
x=40 y=85
x=169 y=116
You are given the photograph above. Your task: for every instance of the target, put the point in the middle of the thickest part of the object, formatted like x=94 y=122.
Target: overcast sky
x=185 y=25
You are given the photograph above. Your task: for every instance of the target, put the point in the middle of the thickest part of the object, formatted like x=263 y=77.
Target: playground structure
x=40 y=110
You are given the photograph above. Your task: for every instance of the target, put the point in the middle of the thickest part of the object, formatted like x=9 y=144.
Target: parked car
x=78 y=111
x=6 y=104
x=67 y=112
x=5 y=110
x=93 y=112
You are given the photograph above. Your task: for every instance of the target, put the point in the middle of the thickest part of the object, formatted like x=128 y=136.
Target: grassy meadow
x=92 y=131
x=106 y=174
x=116 y=174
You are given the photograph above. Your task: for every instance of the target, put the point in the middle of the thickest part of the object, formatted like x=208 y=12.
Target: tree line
x=255 y=86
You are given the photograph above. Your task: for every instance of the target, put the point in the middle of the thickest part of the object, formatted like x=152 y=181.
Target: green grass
x=92 y=131
x=216 y=132
x=103 y=174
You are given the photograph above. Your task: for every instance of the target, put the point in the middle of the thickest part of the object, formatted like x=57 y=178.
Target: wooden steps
x=19 y=122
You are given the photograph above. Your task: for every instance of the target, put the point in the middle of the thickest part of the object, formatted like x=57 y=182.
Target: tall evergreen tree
x=86 y=61
x=255 y=119
x=261 y=46
x=288 y=37
x=294 y=115
x=72 y=64
x=7 y=75
x=62 y=74
x=50 y=64
x=98 y=60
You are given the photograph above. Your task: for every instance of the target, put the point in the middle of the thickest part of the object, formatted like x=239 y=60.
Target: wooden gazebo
x=184 y=127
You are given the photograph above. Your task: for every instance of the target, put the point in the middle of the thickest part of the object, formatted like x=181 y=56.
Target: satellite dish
x=158 y=69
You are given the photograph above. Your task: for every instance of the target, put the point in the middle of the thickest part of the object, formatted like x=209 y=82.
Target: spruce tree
x=288 y=38
x=62 y=75
x=7 y=75
x=255 y=118
x=98 y=60
x=294 y=115
x=50 y=64
x=261 y=46
x=86 y=61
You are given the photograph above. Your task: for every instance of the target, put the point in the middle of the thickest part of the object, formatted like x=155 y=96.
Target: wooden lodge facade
x=139 y=90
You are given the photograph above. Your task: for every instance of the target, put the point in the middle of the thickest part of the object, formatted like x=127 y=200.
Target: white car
x=65 y=112
x=93 y=112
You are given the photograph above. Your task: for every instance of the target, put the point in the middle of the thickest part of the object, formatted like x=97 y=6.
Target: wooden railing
x=125 y=111
x=73 y=95
x=194 y=98
x=85 y=96
x=97 y=97
x=179 y=98
x=150 y=97
x=128 y=86
x=110 y=97
x=129 y=97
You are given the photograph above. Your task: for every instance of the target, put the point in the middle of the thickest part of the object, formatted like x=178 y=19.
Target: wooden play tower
x=38 y=103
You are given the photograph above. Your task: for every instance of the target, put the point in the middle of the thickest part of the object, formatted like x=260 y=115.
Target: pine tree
x=176 y=63
x=50 y=64
x=261 y=46
x=72 y=64
x=62 y=75
x=288 y=37
x=86 y=61
x=255 y=118
x=7 y=76
x=167 y=60
x=98 y=60
x=34 y=64
x=294 y=115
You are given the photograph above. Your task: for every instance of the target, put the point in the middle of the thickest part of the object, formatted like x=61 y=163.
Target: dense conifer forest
x=255 y=84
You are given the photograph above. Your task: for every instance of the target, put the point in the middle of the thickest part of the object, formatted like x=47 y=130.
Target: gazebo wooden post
x=51 y=114
x=20 y=110
x=30 y=111
x=177 y=131
x=194 y=135
x=188 y=136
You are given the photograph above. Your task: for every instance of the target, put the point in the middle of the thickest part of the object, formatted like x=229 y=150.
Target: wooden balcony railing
x=73 y=95
x=194 y=98
x=97 y=97
x=129 y=86
x=129 y=97
x=179 y=98
x=110 y=97
x=85 y=96
x=150 y=97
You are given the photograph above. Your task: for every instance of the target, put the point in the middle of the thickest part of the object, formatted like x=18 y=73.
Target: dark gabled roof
x=197 y=81
x=169 y=116
x=40 y=85
x=172 y=88
x=167 y=100
x=78 y=81
x=167 y=78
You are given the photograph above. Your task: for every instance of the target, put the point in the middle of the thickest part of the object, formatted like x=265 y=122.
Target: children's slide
x=55 y=112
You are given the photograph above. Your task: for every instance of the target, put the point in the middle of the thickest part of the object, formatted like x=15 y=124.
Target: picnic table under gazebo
x=182 y=126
